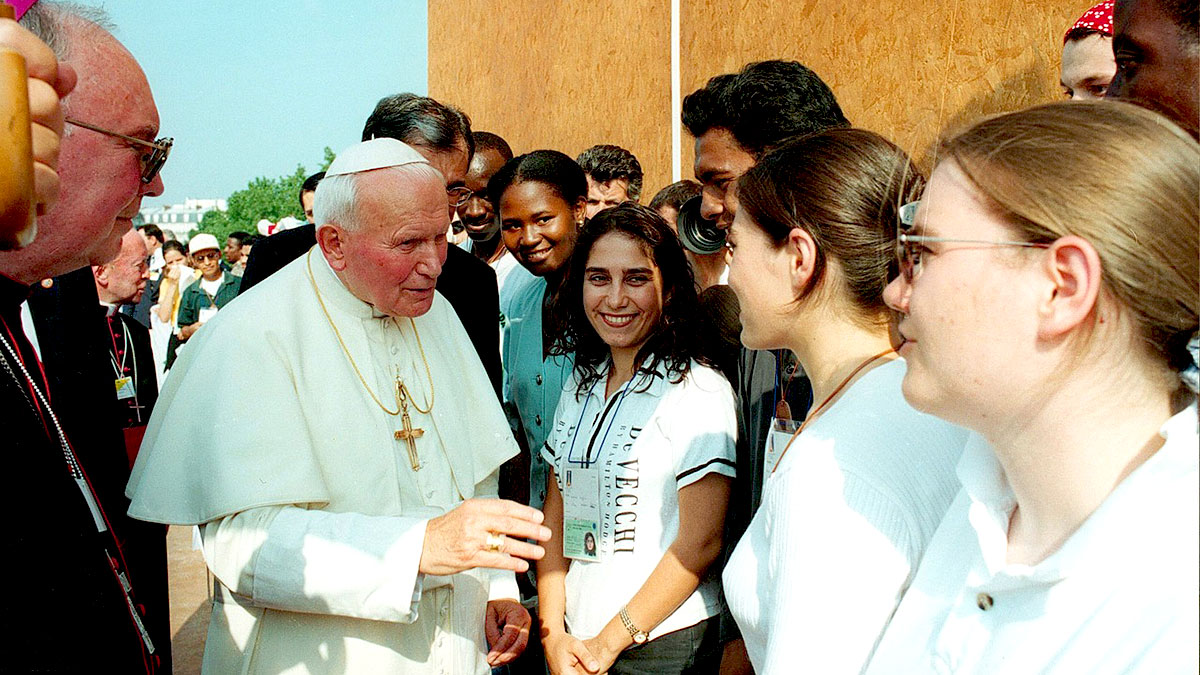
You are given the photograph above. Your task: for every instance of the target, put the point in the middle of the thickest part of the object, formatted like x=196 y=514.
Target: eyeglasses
x=909 y=246
x=206 y=255
x=459 y=195
x=152 y=161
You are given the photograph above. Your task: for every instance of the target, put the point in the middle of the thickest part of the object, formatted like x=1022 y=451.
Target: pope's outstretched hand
x=483 y=533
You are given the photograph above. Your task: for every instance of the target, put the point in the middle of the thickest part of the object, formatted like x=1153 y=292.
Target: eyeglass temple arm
x=107 y=132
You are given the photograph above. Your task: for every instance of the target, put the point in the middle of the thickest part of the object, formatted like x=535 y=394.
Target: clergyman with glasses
x=87 y=588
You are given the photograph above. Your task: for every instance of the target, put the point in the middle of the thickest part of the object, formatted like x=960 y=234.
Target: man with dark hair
x=735 y=119
x=441 y=134
x=153 y=236
x=1156 y=44
x=614 y=177
x=670 y=199
x=307 y=191
x=236 y=265
x=83 y=569
x=708 y=269
x=477 y=215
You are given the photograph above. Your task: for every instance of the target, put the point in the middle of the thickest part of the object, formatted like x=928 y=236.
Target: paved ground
x=189 y=584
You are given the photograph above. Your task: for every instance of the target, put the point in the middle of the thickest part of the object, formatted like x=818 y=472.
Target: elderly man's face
x=1156 y=67
x=101 y=175
x=391 y=261
x=124 y=278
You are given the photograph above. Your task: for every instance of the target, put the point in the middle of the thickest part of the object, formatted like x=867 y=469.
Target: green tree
x=270 y=198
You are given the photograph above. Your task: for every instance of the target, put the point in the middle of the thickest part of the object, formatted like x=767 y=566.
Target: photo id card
x=581 y=514
x=207 y=313
x=125 y=388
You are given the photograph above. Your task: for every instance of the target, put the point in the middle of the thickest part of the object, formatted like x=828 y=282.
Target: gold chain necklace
x=403 y=395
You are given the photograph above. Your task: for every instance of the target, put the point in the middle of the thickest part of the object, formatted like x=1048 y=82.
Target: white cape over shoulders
x=262 y=408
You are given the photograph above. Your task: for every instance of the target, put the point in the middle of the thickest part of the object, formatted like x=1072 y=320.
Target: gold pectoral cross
x=408 y=434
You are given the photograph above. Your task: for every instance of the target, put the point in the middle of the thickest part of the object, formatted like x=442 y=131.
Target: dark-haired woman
x=641 y=455
x=855 y=492
x=539 y=198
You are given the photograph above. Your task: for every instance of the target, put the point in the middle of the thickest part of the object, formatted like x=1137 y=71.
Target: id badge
x=777 y=441
x=207 y=313
x=125 y=388
x=581 y=514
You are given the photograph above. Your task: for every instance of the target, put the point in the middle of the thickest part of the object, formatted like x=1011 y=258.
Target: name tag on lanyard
x=777 y=440
x=125 y=388
x=581 y=513
x=207 y=313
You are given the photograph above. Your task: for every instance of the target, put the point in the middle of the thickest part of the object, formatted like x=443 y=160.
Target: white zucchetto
x=377 y=153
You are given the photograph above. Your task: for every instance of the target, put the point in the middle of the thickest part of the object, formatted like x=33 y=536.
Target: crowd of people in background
x=813 y=411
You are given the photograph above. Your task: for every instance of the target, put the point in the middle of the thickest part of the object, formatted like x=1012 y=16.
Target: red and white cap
x=1099 y=18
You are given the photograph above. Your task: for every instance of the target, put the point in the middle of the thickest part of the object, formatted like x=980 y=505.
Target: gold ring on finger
x=494 y=542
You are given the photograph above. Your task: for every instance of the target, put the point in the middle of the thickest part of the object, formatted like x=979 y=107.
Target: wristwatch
x=639 y=636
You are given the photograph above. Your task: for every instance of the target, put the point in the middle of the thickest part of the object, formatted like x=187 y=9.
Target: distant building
x=181 y=219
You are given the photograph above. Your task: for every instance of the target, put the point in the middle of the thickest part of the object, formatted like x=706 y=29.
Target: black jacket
x=64 y=610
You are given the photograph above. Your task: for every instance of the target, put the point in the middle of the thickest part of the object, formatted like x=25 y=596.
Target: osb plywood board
x=561 y=75
x=904 y=68
x=567 y=75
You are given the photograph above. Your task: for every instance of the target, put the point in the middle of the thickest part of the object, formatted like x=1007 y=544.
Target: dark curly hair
x=674 y=341
x=612 y=162
x=763 y=104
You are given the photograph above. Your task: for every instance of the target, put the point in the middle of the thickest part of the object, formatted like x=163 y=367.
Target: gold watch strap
x=639 y=636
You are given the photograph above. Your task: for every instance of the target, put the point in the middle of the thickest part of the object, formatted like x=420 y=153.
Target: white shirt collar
x=1135 y=498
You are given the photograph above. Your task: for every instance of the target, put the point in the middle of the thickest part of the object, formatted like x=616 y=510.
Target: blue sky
x=254 y=87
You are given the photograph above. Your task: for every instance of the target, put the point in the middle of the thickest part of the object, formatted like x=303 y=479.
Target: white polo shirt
x=1119 y=596
x=648 y=441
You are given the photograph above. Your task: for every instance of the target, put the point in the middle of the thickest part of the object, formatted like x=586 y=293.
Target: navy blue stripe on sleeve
x=717 y=460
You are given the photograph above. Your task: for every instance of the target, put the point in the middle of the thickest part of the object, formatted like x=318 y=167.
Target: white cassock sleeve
x=347 y=564
x=502 y=583
x=300 y=560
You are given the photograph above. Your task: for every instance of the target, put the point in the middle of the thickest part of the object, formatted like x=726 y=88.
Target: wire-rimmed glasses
x=909 y=246
x=151 y=161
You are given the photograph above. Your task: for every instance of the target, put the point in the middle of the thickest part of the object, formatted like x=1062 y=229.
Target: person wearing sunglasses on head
x=1062 y=331
x=853 y=494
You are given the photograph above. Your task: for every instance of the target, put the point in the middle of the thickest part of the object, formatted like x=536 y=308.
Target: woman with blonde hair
x=1049 y=300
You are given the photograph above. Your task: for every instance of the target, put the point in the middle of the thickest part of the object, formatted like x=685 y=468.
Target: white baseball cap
x=202 y=242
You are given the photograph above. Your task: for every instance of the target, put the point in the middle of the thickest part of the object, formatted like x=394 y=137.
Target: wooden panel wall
x=902 y=68
x=561 y=75
x=570 y=74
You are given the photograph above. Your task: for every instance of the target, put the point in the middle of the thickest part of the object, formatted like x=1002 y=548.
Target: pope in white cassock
x=335 y=437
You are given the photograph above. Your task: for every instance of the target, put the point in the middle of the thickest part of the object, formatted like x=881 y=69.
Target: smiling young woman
x=641 y=455
x=1049 y=302
x=539 y=198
